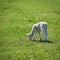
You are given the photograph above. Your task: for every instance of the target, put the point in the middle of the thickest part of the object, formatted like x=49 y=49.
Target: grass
x=16 y=20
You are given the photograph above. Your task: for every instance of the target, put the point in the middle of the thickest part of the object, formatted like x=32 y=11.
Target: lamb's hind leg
x=45 y=34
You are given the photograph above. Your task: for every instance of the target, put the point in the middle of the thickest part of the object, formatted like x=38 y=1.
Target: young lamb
x=38 y=28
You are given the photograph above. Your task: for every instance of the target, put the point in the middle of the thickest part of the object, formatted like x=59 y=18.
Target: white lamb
x=38 y=28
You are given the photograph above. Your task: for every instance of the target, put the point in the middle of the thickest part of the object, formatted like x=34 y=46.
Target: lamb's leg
x=40 y=36
x=34 y=36
x=45 y=34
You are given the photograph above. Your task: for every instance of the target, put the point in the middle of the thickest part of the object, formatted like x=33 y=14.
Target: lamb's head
x=29 y=35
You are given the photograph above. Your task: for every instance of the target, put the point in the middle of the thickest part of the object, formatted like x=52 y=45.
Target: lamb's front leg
x=34 y=37
x=40 y=36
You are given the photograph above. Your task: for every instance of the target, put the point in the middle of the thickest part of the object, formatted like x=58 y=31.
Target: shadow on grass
x=48 y=41
x=42 y=41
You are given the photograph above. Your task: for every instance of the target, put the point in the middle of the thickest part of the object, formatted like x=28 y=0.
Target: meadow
x=16 y=20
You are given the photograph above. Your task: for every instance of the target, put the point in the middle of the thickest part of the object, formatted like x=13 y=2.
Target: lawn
x=16 y=20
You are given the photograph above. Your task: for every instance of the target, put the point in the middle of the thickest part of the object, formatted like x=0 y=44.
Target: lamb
x=38 y=28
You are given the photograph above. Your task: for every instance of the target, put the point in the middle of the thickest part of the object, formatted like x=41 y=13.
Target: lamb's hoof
x=45 y=41
x=33 y=40
x=40 y=40
x=30 y=39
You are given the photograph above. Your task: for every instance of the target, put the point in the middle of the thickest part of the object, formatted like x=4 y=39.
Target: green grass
x=16 y=20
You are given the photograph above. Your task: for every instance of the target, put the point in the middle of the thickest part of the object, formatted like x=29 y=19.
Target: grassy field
x=16 y=20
